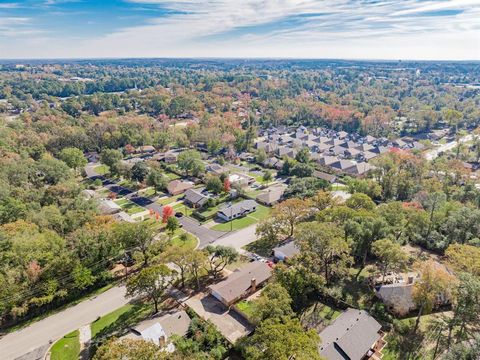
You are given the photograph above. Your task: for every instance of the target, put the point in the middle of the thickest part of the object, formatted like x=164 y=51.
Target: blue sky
x=353 y=29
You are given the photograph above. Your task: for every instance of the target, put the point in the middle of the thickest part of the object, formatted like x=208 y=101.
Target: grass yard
x=148 y=192
x=67 y=348
x=171 y=176
x=119 y=319
x=102 y=169
x=129 y=207
x=319 y=316
x=190 y=243
x=184 y=209
x=246 y=307
x=108 y=319
x=169 y=199
x=261 y=213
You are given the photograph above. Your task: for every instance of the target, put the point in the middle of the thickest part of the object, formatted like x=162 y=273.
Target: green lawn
x=129 y=207
x=120 y=319
x=184 y=209
x=148 y=192
x=108 y=319
x=67 y=348
x=169 y=199
x=246 y=307
x=261 y=213
x=190 y=243
x=172 y=176
x=319 y=315
x=102 y=169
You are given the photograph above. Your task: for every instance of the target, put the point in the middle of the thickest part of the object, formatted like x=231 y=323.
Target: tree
x=303 y=156
x=181 y=256
x=136 y=235
x=304 y=187
x=197 y=262
x=323 y=200
x=302 y=170
x=172 y=224
x=267 y=176
x=111 y=158
x=167 y=212
x=464 y=258
x=273 y=303
x=283 y=339
x=214 y=184
x=260 y=156
x=139 y=171
x=190 y=161
x=391 y=256
x=130 y=349
x=324 y=249
x=227 y=185
x=157 y=180
x=360 y=201
x=73 y=157
x=467 y=350
x=219 y=258
x=150 y=282
x=364 y=230
x=289 y=213
x=366 y=186
x=434 y=281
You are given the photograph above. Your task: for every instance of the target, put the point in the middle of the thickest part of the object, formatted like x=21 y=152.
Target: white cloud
x=321 y=28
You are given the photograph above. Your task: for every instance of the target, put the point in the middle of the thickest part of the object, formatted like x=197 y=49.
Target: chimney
x=410 y=280
x=253 y=285
x=162 y=341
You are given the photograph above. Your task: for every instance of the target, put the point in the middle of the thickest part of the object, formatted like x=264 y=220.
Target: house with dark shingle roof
x=241 y=283
x=195 y=198
x=286 y=251
x=176 y=187
x=354 y=335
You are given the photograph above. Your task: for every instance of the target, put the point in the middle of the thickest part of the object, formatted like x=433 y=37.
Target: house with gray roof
x=196 y=198
x=236 y=210
x=272 y=196
x=397 y=297
x=324 y=176
x=286 y=251
x=352 y=336
x=241 y=283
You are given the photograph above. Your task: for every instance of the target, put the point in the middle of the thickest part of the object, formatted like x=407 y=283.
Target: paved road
x=432 y=154
x=39 y=334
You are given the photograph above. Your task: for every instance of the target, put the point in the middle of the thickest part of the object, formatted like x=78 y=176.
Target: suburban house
x=147 y=149
x=272 y=196
x=286 y=251
x=177 y=187
x=236 y=210
x=241 y=179
x=123 y=216
x=171 y=157
x=397 y=297
x=324 y=176
x=215 y=169
x=241 y=283
x=160 y=329
x=108 y=207
x=195 y=198
x=354 y=335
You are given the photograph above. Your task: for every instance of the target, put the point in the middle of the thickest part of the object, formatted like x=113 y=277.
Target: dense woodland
x=55 y=247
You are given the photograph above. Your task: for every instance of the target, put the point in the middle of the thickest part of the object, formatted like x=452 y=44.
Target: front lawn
x=108 y=319
x=169 y=199
x=67 y=348
x=129 y=207
x=190 y=242
x=261 y=213
x=102 y=169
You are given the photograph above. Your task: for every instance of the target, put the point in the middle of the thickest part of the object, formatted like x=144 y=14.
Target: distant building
x=354 y=335
x=241 y=283
x=108 y=207
x=177 y=187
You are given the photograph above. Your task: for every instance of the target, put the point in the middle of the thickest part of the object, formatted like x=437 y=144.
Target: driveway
x=238 y=239
x=230 y=324
x=204 y=234
x=35 y=338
